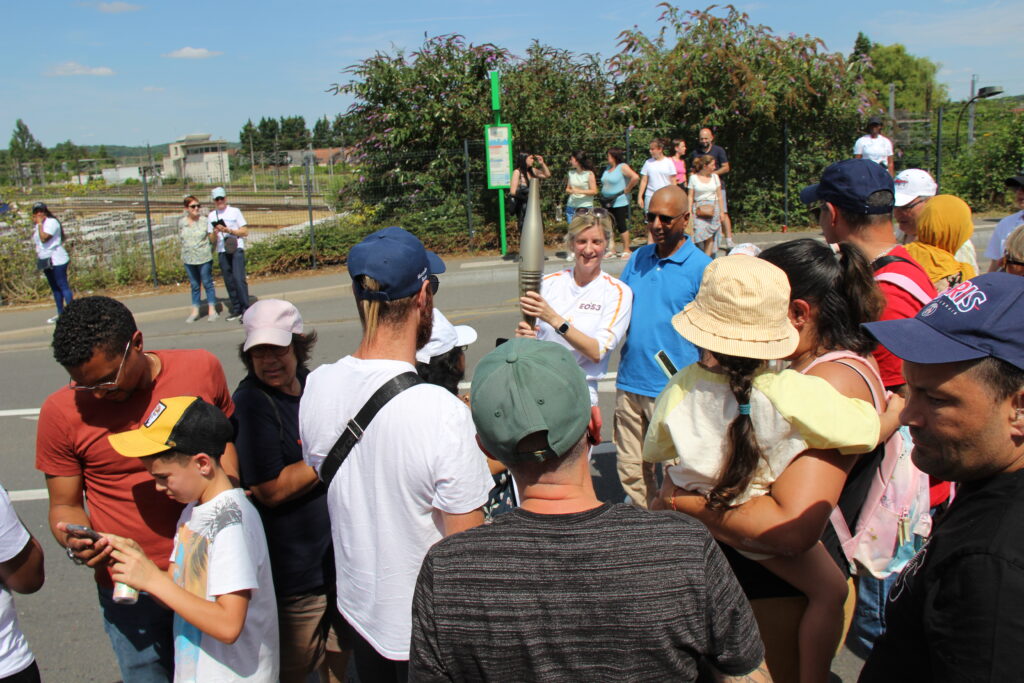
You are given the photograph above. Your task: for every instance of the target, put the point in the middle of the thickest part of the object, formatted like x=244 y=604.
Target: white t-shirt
x=601 y=310
x=877 y=149
x=418 y=458
x=659 y=174
x=705 y=191
x=234 y=219
x=997 y=243
x=220 y=548
x=14 y=653
x=53 y=247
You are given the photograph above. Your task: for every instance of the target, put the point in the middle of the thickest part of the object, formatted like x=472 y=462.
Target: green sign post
x=499 y=155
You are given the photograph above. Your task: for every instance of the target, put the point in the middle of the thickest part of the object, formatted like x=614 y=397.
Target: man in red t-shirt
x=114 y=387
x=855 y=200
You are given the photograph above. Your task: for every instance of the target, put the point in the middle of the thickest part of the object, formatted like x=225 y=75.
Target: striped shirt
x=610 y=594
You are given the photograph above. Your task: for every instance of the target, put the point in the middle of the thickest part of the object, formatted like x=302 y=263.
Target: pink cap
x=271 y=321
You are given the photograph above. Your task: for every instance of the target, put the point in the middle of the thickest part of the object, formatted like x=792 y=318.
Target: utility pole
x=252 y=162
x=892 y=106
x=970 y=112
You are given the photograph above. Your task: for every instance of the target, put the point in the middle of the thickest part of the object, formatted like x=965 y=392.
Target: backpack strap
x=357 y=426
x=888 y=259
x=906 y=284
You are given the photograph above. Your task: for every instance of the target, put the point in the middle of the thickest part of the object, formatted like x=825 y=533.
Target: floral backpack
x=894 y=518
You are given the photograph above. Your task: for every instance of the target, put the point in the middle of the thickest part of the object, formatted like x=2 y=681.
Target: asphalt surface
x=62 y=621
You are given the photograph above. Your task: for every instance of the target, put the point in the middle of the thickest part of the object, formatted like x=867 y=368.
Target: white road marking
x=22 y=412
x=28 y=494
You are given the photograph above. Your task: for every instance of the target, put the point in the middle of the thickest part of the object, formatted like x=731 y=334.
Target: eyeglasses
x=665 y=220
x=267 y=350
x=195 y=206
x=105 y=386
x=816 y=212
x=595 y=211
x=1007 y=261
x=434 y=284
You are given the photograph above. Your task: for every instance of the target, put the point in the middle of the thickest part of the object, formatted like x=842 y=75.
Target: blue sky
x=136 y=71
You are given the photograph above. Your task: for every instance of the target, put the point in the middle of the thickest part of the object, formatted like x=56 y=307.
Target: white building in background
x=119 y=174
x=198 y=158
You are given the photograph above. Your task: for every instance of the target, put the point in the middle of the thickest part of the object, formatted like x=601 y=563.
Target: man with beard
x=414 y=472
x=954 y=612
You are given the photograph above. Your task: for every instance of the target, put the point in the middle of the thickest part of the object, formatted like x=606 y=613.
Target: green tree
x=338 y=131
x=917 y=89
x=248 y=136
x=268 y=134
x=714 y=68
x=322 y=136
x=294 y=134
x=861 y=47
x=67 y=151
x=23 y=145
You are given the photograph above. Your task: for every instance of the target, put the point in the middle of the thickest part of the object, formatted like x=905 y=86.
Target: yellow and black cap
x=185 y=424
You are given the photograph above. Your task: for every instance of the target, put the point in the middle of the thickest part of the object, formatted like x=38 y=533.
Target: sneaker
x=233 y=317
x=213 y=316
x=51 y=321
x=192 y=318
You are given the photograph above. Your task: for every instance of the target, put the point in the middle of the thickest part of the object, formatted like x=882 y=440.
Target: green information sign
x=499 y=156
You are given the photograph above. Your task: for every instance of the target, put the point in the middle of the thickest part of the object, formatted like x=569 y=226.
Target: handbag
x=357 y=426
x=705 y=211
x=608 y=202
x=44 y=263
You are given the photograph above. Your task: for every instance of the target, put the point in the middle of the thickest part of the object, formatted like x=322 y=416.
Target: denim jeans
x=142 y=636
x=57 y=276
x=202 y=273
x=232 y=267
x=869 y=616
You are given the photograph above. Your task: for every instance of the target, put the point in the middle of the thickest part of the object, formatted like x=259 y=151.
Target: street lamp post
x=983 y=93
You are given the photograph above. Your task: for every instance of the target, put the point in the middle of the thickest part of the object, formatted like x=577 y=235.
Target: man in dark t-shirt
x=954 y=613
x=564 y=587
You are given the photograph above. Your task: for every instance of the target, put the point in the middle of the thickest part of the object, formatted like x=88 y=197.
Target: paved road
x=62 y=621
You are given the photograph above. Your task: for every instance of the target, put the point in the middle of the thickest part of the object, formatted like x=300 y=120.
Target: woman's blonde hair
x=585 y=221
x=1014 y=245
x=701 y=162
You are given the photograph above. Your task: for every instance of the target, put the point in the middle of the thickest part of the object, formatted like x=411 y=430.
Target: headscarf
x=944 y=226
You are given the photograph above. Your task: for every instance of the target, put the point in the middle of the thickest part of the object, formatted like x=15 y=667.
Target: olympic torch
x=531 y=248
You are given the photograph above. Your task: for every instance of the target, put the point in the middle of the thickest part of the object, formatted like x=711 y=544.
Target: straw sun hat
x=740 y=310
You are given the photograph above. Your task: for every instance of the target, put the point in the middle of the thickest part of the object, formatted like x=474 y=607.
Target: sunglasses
x=1007 y=261
x=267 y=350
x=105 y=386
x=195 y=206
x=917 y=202
x=596 y=212
x=665 y=220
x=816 y=212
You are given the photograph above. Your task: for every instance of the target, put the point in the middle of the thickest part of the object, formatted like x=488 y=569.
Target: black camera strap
x=357 y=426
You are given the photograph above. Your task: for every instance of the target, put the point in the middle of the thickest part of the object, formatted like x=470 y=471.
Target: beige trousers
x=632 y=417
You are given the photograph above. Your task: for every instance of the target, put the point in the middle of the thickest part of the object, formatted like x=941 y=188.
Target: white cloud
x=117 y=7
x=76 y=69
x=997 y=25
x=153 y=88
x=192 y=53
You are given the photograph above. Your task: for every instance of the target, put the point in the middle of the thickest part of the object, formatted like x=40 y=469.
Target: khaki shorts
x=310 y=626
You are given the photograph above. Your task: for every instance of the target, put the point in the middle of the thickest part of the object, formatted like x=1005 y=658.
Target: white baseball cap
x=444 y=337
x=271 y=321
x=913 y=183
x=217 y=193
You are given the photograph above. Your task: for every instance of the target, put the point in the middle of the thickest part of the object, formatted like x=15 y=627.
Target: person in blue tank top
x=617 y=181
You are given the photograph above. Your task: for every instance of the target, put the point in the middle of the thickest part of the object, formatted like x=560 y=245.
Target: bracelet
x=673 y=498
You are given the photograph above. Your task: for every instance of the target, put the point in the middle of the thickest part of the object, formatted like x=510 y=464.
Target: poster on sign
x=499 y=156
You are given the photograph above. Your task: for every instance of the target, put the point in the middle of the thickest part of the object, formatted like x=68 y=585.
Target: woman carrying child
x=736 y=425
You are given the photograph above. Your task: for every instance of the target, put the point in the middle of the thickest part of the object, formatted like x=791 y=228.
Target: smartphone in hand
x=79 y=531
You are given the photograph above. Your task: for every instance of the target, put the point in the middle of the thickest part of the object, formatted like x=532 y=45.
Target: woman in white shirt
x=51 y=256
x=581 y=185
x=705 y=204
x=582 y=308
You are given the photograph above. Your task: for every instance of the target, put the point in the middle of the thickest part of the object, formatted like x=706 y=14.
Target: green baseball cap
x=527 y=386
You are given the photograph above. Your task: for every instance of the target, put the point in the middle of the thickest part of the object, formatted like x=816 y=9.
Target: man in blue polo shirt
x=664 y=277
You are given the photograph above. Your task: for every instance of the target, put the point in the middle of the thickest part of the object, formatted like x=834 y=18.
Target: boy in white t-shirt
x=219 y=583
x=656 y=173
x=21 y=570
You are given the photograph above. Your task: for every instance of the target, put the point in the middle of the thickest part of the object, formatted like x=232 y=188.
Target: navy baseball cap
x=978 y=318
x=848 y=184
x=396 y=259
